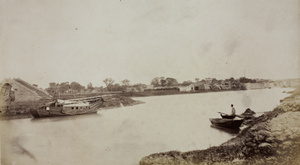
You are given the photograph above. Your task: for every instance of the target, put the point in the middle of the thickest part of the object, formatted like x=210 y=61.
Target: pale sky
x=44 y=41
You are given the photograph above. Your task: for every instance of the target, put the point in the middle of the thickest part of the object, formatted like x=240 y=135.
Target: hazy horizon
x=88 y=41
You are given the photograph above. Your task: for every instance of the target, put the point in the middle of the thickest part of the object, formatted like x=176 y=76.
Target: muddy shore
x=272 y=138
x=118 y=101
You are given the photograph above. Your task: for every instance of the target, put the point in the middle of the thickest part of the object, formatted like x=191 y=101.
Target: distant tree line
x=75 y=87
x=63 y=87
x=162 y=81
x=247 y=80
x=110 y=85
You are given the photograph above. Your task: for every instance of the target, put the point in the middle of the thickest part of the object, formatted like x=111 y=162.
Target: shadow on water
x=64 y=118
x=18 y=148
x=226 y=130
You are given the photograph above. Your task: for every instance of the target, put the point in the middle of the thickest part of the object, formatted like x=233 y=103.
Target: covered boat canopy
x=66 y=102
x=77 y=105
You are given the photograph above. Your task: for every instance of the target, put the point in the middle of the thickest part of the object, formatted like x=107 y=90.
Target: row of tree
x=112 y=86
x=64 y=87
x=162 y=81
x=73 y=87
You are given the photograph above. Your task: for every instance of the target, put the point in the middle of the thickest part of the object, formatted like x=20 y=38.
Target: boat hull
x=227 y=123
x=227 y=116
x=59 y=111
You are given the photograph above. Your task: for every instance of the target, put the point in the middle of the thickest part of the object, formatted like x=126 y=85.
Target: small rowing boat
x=228 y=123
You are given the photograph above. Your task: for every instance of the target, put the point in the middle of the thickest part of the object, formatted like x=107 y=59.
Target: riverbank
x=148 y=93
x=21 y=110
x=116 y=101
x=272 y=138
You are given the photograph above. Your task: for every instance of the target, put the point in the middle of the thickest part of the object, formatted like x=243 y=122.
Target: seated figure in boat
x=230 y=116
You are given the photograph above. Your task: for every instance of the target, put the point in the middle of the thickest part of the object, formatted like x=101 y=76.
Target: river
x=122 y=136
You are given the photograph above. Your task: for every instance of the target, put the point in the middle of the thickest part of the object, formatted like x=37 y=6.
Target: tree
x=108 y=82
x=125 y=82
x=214 y=81
x=189 y=82
x=63 y=87
x=116 y=87
x=163 y=82
x=155 y=81
x=247 y=80
x=53 y=88
x=52 y=84
x=197 y=79
x=90 y=86
x=171 y=81
x=76 y=86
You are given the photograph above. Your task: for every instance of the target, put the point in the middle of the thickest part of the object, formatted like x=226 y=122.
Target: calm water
x=122 y=136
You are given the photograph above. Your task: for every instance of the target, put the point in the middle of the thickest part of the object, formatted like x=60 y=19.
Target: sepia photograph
x=149 y=82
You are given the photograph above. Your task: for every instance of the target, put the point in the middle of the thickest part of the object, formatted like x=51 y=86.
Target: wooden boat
x=228 y=123
x=227 y=116
x=68 y=107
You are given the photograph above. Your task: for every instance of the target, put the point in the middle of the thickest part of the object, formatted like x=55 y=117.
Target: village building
x=208 y=80
x=293 y=82
x=200 y=86
x=215 y=87
x=225 y=86
x=186 y=88
x=260 y=85
x=149 y=87
x=71 y=91
x=96 y=90
x=134 y=89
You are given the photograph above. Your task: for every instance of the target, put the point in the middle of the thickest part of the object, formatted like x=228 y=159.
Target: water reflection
x=63 y=118
x=226 y=130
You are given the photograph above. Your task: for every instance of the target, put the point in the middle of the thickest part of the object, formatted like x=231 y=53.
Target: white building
x=187 y=88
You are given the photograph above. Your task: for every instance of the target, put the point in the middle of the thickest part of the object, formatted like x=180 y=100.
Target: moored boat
x=228 y=123
x=68 y=107
x=225 y=116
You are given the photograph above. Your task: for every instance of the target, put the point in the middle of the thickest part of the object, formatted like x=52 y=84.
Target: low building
x=134 y=89
x=255 y=85
x=96 y=90
x=215 y=87
x=268 y=85
x=294 y=83
x=71 y=91
x=186 y=88
x=200 y=86
x=225 y=87
x=149 y=87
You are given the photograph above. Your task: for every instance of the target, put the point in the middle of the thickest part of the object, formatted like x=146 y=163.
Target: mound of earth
x=118 y=101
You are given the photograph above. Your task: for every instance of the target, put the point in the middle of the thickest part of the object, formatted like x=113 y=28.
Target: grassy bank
x=272 y=138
